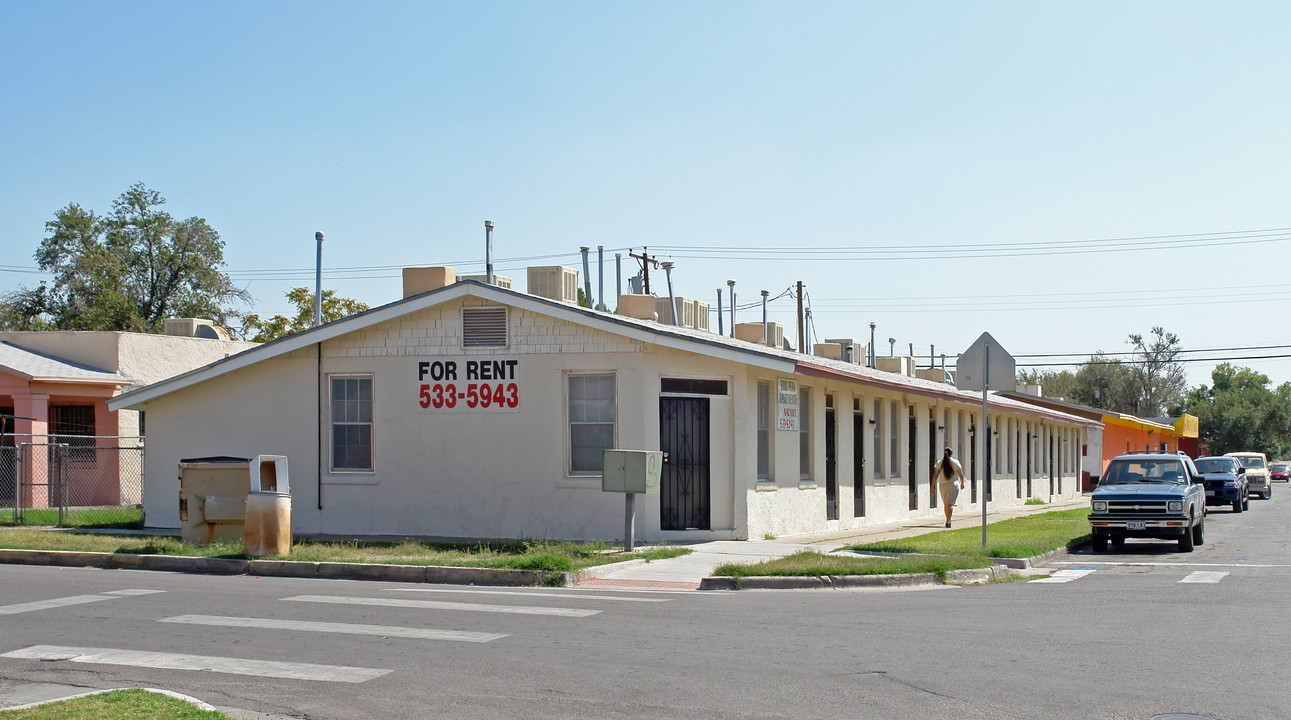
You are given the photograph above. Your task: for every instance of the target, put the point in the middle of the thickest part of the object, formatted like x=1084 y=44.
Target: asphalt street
x=1130 y=634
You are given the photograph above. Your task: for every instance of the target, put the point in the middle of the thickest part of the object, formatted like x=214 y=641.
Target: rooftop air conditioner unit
x=555 y=282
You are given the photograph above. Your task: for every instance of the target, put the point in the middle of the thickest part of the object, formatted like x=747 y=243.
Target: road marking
x=1168 y=564
x=533 y=594
x=1065 y=576
x=53 y=603
x=345 y=628
x=1204 y=576
x=178 y=661
x=438 y=605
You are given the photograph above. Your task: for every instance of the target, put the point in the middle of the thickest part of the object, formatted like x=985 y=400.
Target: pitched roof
x=648 y=331
x=34 y=366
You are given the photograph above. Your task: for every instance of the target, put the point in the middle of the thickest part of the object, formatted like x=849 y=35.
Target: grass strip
x=1020 y=537
x=519 y=555
x=116 y=705
x=814 y=564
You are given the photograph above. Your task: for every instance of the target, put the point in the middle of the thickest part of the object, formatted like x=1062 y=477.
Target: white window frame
x=806 y=446
x=332 y=423
x=570 y=422
x=765 y=431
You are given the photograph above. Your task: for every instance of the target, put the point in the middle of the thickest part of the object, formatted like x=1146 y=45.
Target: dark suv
x=1148 y=495
x=1225 y=482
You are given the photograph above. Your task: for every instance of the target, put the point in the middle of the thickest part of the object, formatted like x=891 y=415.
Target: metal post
x=629 y=521
x=672 y=301
x=870 y=359
x=587 y=278
x=618 y=278
x=600 y=274
x=488 y=251
x=318 y=281
x=802 y=337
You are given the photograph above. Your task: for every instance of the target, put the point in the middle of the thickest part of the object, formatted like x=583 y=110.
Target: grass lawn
x=1017 y=538
x=816 y=564
x=523 y=555
x=101 y=517
x=116 y=705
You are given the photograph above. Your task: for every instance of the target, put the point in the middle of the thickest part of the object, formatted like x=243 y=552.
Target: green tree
x=126 y=271
x=1239 y=412
x=334 y=308
x=1150 y=384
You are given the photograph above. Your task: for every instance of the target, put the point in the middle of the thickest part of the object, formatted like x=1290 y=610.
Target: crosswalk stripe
x=179 y=661
x=534 y=594
x=1065 y=576
x=438 y=605
x=1204 y=576
x=345 y=628
x=53 y=603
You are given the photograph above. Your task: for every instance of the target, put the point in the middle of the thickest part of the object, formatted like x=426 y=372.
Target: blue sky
x=755 y=141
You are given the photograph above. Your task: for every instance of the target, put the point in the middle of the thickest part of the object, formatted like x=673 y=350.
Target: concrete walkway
x=685 y=573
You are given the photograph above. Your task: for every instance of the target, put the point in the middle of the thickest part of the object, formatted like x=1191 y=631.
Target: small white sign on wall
x=786 y=405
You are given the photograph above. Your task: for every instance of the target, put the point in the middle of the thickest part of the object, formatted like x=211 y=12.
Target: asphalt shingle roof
x=35 y=366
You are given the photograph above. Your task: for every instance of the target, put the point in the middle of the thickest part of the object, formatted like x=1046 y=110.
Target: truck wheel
x=1185 y=541
x=1098 y=542
x=1118 y=541
x=1246 y=501
x=1268 y=493
x=1197 y=537
x=1237 y=505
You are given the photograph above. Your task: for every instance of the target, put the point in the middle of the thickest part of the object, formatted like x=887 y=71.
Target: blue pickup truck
x=1148 y=495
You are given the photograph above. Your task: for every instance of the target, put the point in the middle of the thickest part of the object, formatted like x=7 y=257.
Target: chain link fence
x=71 y=480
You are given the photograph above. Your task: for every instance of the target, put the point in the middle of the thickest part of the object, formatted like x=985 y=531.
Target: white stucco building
x=480 y=412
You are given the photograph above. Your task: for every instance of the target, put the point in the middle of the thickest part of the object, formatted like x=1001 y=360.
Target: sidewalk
x=685 y=573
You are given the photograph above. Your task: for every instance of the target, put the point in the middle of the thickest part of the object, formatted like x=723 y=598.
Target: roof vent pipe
x=766 y=331
x=488 y=251
x=719 y=313
x=872 y=358
x=618 y=277
x=587 y=277
x=672 y=301
x=600 y=275
x=318 y=281
x=731 y=285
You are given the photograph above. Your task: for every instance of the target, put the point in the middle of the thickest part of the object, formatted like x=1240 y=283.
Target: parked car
x=1257 y=472
x=1225 y=482
x=1148 y=495
x=1280 y=472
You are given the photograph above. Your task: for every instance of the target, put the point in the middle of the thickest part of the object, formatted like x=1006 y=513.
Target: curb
x=770 y=582
x=1028 y=563
x=291 y=568
x=185 y=698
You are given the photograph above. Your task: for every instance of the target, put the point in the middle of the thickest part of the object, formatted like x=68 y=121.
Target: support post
x=629 y=521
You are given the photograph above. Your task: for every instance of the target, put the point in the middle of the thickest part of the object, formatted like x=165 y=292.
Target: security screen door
x=684 y=484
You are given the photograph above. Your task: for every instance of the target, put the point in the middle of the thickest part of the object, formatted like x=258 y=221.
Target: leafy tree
x=1239 y=412
x=334 y=308
x=126 y=271
x=1151 y=384
x=1100 y=382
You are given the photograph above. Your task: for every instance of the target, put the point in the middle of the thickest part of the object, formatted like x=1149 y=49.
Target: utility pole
x=802 y=342
x=646 y=261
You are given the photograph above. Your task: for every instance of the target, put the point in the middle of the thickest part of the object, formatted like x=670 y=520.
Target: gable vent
x=484 y=327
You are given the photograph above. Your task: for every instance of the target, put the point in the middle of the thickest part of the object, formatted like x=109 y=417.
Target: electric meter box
x=631 y=471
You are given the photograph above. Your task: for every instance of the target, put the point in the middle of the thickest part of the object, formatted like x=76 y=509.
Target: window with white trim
x=765 y=432
x=592 y=411
x=804 y=433
x=351 y=405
